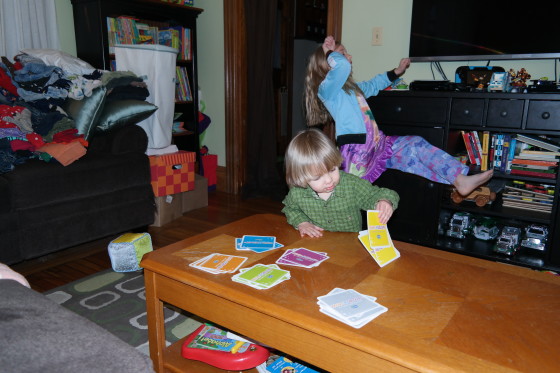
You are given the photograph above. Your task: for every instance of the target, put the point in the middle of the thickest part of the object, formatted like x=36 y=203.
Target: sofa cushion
x=122 y=112
x=36 y=183
x=86 y=112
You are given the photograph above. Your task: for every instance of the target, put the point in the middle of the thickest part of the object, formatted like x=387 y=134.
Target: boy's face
x=325 y=182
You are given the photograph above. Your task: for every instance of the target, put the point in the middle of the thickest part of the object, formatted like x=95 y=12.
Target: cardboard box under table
x=172 y=173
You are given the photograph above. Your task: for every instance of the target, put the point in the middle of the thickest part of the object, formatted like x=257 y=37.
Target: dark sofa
x=46 y=207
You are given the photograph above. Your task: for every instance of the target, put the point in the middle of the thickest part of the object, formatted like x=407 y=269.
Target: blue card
x=259 y=243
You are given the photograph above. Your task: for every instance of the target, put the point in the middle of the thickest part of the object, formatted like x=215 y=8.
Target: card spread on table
x=219 y=263
x=350 y=307
x=302 y=257
x=258 y=244
x=261 y=276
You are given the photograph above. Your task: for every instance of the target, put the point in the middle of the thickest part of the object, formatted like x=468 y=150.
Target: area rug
x=117 y=302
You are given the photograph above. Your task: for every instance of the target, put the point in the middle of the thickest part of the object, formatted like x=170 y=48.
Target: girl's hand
x=309 y=229
x=329 y=44
x=385 y=209
x=403 y=65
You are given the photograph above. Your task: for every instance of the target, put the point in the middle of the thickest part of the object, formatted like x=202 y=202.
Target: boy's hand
x=309 y=229
x=385 y=209
x=403 y=65
x=329 y=44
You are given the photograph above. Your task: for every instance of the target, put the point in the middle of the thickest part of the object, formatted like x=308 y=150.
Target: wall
x=66 y=33
x=211 y=78
x=360 y=16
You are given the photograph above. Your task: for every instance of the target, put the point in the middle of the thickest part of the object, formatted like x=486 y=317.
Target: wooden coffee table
x=447 y=312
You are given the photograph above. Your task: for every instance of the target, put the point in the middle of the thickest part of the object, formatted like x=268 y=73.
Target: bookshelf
x=503 y=123
x=99 y=24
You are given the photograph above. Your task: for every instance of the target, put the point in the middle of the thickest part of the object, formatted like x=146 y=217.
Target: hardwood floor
x=72 y=264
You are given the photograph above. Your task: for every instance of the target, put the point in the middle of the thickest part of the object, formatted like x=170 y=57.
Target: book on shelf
x=547 y=169
x=540 y=142
x=511 y=154
x=129 y=30
x=485 y=150
x=520 y=196
x=169 y=37
x=183 y=90
x=534 y=162
x=478 y=146
x=530 y=188
x=468 y=146
x=499 y=151
x=491 y=151
x=526 y=206
x=534 y=174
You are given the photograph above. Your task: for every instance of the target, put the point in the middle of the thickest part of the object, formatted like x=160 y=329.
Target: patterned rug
x=117 y=302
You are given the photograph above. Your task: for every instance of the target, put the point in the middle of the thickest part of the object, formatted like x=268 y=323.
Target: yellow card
x=378 y=233
x=386 y=255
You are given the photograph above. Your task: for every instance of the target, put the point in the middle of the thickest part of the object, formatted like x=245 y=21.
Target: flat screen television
x=453 y=30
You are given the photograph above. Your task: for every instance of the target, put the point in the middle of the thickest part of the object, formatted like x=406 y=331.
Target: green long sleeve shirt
x=342 y=211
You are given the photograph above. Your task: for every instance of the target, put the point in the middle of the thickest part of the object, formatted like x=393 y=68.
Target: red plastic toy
x=210 y=345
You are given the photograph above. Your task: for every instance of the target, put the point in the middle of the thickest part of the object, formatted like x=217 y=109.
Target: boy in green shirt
x=322 y=197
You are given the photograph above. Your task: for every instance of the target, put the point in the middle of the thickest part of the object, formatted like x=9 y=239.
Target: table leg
x=155 y=316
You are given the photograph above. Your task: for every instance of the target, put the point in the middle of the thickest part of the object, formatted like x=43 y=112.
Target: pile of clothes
x=33 y=122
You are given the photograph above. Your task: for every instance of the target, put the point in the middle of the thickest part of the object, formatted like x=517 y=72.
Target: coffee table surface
x=447 y=312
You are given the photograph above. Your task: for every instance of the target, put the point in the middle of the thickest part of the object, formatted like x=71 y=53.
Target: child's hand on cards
x=308 y=229
x=385 y=209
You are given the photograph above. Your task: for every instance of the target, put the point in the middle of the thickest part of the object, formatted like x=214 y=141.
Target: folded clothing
x=64 y=153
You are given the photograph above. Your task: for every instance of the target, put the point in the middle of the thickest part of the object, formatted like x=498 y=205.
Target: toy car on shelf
x=486 y=229
x=508 y=242
x=535 y=237
x=460 y=225
x=481 y=196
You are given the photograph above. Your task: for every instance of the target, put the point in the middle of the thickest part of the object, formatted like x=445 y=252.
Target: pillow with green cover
x=87 y=111
x=122 y=112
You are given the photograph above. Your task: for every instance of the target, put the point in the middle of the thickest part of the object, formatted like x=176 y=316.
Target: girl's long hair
x=316 y=113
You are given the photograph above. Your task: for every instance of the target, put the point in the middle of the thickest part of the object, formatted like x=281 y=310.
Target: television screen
x=449 y=30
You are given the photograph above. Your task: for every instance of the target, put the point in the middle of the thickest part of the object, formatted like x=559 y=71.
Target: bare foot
x=466 y=184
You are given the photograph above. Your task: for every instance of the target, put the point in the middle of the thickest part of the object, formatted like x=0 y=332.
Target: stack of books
x=516 y=154
x=540 y=159
x=525 y=196
x=183 y=90
x=130 y=30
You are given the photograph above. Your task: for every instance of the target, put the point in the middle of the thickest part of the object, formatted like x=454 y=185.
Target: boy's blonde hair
x=317 y=68
x=310 y=154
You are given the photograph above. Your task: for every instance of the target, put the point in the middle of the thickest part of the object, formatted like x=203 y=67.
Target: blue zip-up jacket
x=344 y=107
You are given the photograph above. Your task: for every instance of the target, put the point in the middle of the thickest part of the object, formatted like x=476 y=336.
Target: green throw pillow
x=86 y=112
x=122 y=112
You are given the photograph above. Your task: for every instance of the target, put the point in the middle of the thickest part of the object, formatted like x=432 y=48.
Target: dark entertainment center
x=441 y=111
x=440 y=117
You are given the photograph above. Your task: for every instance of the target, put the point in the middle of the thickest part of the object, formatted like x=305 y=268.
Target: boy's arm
x=371 y=194
x=294 y=215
